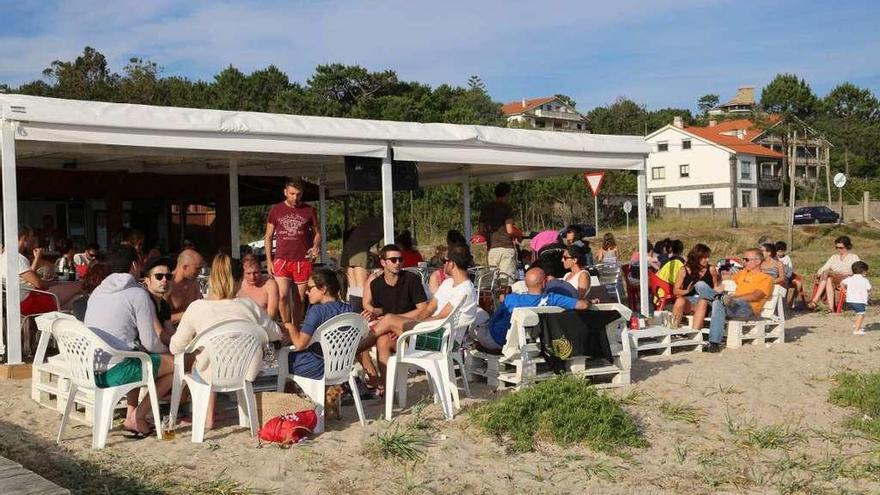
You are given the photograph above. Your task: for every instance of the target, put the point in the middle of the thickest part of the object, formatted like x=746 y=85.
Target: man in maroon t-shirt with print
x=297 y=241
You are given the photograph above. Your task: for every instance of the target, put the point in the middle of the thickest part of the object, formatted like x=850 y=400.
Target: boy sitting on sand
x=857 y=289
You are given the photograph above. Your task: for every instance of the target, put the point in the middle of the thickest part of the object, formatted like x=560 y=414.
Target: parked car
x=815 y=214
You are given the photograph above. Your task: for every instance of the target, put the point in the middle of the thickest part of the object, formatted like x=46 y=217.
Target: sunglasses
x=394 y=259
x=566 y=257
x=310 y=287
x=161 y=276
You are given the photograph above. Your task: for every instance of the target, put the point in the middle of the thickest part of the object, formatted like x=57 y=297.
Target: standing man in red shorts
x=297 y=241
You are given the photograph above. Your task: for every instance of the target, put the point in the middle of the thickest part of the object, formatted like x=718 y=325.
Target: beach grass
x=566 y=410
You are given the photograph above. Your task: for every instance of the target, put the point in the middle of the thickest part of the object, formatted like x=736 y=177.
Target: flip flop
x=811 y=305
x=139 y=435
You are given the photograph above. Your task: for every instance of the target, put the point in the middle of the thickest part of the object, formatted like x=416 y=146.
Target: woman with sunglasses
x=574 y=260
x=838 y=267
x=322 y=290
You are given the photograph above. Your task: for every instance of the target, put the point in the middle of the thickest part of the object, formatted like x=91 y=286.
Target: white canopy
x=48 y=132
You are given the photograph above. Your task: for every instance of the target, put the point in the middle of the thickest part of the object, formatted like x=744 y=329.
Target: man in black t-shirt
x=157 y=280
x=394 y=292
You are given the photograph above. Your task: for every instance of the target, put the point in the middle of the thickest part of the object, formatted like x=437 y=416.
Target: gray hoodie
x=121 y=312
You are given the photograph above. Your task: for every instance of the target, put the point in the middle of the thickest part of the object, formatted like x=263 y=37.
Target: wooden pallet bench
x=522 y=364
x=768 y=329
x=16 y=480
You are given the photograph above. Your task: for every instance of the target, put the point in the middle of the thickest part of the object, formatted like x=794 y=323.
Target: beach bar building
x=100 y=166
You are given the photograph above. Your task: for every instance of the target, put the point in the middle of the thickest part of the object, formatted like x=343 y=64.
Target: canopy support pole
x=322 y=201
x=466 y=203
x=10 y=240
x=387 y=198
x=643 y=238
x=234 y=223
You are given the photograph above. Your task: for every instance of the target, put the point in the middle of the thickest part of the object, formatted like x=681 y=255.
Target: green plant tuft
x=567 y=410
x=861 y=391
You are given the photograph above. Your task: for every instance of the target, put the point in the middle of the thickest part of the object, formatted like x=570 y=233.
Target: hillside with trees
x=848 y=116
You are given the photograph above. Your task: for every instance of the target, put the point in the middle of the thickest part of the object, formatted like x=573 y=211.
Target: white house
x=691 y=166
x=549 y=113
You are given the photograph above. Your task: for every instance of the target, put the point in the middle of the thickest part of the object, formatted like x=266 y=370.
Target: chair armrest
x=284 y=352
x=146 y=362
x=50 y=294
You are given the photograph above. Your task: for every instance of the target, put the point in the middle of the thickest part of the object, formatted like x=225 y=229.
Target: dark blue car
x=815 y=214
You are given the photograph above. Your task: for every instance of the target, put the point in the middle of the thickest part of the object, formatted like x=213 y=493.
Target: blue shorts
x=859 y=308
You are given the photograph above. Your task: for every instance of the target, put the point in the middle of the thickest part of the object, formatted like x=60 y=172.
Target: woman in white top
x=837 y=268
x=221 y=305
x=574 y=260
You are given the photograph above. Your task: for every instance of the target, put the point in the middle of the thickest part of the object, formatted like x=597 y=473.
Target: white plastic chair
x=339 y=338
x=80 y=348
x=437 y=364
x=230 y=346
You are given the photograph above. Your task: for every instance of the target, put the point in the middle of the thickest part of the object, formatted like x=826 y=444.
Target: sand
x=752 y=387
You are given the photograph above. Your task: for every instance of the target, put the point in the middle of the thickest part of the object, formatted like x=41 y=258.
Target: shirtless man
x=185 y=287
x=294 y=226
x=260 y=289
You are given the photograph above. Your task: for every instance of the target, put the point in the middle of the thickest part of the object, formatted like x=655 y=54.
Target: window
x=746 y=199
x=767 y=170
x=707 y=199
x=745 y=170
x=659 y=201
x=658 y=173
x=684 y=170
x=663 y=146
x=540 y=124
x=685 y=144
x=579 y=126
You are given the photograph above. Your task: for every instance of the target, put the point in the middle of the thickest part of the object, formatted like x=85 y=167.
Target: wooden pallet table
x=665 y=341
x=16 y=480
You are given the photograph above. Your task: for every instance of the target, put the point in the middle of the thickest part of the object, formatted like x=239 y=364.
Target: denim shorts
x=859 y=308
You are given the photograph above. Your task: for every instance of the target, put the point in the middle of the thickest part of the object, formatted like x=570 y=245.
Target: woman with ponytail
x=221 y=305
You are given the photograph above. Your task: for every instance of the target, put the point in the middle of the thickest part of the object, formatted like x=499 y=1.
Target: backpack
x=288 y=429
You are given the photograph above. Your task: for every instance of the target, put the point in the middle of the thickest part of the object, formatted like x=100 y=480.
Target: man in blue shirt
x=494 y=335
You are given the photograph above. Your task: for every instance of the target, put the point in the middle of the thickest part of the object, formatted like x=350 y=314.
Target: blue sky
x=658 y=52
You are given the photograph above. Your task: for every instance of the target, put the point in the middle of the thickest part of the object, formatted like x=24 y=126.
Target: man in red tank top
x=297 y=242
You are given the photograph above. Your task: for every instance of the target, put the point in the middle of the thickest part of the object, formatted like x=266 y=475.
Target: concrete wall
x=768 y=215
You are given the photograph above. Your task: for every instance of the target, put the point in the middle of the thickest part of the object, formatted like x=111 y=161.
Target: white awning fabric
x=52 y=120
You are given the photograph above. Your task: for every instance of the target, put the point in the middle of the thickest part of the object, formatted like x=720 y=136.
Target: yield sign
x=594 y=180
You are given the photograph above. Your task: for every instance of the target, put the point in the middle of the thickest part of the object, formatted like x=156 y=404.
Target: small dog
x=332 y=402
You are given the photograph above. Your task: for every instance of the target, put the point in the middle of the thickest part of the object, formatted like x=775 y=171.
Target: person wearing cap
x=158 y=272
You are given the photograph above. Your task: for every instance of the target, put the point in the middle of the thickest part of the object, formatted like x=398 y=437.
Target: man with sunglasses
x=158 y=273
x=753 y=290
x=393 y=292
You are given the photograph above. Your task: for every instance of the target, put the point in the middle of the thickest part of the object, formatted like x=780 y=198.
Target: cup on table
x=168 y=428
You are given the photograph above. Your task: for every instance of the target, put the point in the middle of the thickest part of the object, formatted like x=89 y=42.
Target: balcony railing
x=770 y=182
x=551 y=114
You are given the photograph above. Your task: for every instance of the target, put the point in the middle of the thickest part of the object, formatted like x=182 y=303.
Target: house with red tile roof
x=549 y=113
x=717 y=165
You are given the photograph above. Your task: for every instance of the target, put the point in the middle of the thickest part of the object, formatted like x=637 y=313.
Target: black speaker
x=365 y=174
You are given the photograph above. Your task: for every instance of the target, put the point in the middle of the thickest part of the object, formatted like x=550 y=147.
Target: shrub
x=567 y=410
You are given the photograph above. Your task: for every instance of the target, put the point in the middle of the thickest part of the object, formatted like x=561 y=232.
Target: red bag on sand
x=289 y=429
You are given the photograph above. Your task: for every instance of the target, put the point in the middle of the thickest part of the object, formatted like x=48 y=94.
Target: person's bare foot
x=136 y=425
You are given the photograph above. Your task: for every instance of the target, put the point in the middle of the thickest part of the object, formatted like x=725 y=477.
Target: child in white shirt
x=857 y=288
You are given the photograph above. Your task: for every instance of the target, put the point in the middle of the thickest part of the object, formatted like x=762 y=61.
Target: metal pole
x=791 y=195
x=466 y=205
x=387 y=198
x=643 y=237
x=10 y=239
x=596 y=213
x=322 y=202
x=234 y=221
x=733 y=191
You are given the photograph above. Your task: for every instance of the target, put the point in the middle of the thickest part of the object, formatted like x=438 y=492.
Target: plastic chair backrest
x=339 y=337
x=230 y=346
x=608 y=273
x=80 y=348
x=654 y=284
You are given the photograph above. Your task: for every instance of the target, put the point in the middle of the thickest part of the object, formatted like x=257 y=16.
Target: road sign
x=839 y=179
x=594 y=181
x=627 y=207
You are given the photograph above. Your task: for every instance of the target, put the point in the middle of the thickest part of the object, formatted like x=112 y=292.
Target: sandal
x=812 y=306
x=139 y=435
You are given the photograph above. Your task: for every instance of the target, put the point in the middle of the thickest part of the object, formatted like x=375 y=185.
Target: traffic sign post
x=839 y=182
x=627 y=208
x=594 y=181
